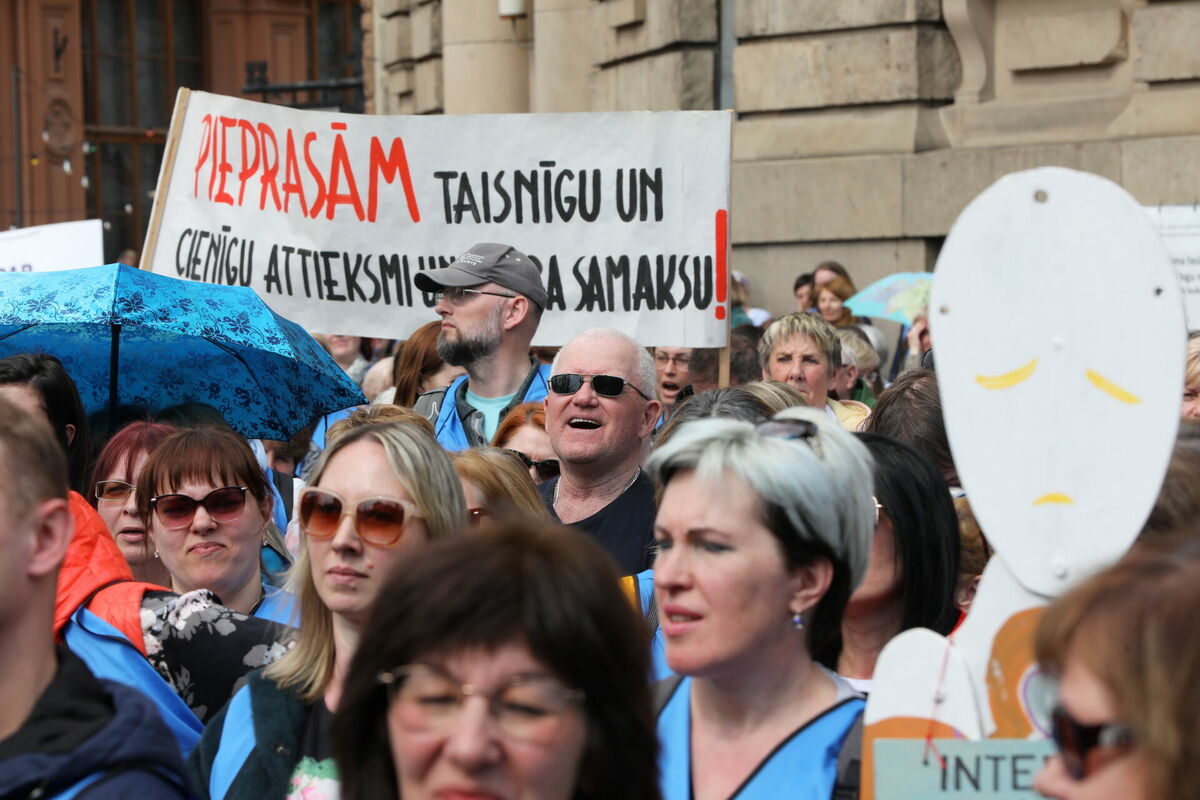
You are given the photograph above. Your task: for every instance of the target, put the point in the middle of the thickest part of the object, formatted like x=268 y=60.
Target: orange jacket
x=94 y=560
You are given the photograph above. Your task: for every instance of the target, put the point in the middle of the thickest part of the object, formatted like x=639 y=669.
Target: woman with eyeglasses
x=497 y=486
x=523 y=431
x=112 y=494
x=206 y=505
x=912 y=575
x=1125 y=649
x=505 y=665
x=378 y=495
x=763 y=533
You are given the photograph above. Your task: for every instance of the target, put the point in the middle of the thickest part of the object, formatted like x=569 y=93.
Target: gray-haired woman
x=763 y=532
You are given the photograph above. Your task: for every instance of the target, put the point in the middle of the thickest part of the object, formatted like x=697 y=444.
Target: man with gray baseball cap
x=490 y=300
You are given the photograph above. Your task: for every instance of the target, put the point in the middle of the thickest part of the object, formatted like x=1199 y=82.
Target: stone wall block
x=674 y=81
x=1167 y=37
x=394 y=38
x=427 y=86
x=816 y=199
x=777 y=17
x=1162 y=171
x=938 y=185
x=1052 y=41
x=426 y=29
x=386 y=8
x=855 y=68
x=666 y=22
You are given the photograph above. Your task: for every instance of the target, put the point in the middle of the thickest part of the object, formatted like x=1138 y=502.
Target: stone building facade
x=863 y=126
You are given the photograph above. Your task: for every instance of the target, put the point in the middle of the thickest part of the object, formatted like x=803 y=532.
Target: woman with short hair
x=804 y=351
x=763 y=533
x=497 y=485
x=503 y=665
x=206 y=505
x=377 y=495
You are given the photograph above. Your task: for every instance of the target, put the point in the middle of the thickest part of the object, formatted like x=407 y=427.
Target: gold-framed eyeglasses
x=527 y=708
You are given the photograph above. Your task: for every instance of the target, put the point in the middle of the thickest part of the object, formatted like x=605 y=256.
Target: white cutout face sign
x=1059 y=335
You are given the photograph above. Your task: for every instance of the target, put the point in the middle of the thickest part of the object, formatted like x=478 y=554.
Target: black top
x=624 y=527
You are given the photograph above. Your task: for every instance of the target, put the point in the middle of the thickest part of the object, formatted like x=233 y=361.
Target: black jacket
x=86 y=729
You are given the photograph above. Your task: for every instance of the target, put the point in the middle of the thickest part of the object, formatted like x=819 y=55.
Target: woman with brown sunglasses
x=1125 y=648
x=378 y=494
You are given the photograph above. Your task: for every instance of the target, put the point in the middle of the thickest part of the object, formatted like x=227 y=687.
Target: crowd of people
x=593 y=572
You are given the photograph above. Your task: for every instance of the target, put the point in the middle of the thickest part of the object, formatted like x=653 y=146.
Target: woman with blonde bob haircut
x=1125 y=647
x=378 y=494
x=763 y=533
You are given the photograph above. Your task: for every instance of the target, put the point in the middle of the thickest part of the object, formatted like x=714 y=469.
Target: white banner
x=1179 y=227
x=61 y=245
x=329 y=216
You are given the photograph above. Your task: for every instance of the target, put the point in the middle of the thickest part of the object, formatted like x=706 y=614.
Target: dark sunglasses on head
x=792 y=429
x=224 y=505
x=603 y=385
x=378 y=520
x=113 y=491
x=545 y=469
x=1076 y=741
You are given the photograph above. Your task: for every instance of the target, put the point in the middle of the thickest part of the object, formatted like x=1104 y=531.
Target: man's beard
x=467 y=350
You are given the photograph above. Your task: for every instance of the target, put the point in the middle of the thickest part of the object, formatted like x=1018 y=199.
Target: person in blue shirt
x=490 y=301
x=763 y=531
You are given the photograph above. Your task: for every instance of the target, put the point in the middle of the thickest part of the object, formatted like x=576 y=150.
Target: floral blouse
x=203 y=649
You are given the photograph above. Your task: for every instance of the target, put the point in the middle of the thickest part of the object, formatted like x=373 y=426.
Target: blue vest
x=237 y=742
x=659 y=669
x=803 y=767
x=110 y=655
x=449 y=428
x=278 y=606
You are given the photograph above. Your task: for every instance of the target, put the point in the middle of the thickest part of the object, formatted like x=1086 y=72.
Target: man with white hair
x=599 y=414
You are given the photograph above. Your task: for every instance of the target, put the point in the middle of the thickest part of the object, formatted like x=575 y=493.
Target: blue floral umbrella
x=133 y=337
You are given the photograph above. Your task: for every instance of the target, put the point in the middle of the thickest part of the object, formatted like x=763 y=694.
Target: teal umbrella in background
x=900 y=297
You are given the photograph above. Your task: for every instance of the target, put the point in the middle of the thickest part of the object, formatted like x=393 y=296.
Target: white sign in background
x=61 y=245
x=328 y=216
x=1179 y=227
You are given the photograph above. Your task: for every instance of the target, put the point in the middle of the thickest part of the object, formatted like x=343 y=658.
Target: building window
x=137 y=53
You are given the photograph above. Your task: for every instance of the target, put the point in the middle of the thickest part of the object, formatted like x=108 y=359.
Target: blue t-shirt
x=490 y=407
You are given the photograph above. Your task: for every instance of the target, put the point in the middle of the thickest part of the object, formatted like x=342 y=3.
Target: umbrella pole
x=114 y=352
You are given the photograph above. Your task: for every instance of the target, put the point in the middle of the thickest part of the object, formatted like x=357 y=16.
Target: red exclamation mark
x=722 y=275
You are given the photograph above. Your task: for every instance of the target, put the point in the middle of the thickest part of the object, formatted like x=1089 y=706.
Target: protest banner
x=329 y=216
x=61 y=245
x=1179 y=227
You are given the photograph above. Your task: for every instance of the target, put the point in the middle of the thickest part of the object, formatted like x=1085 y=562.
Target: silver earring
x=156 y=554
x=798 y=622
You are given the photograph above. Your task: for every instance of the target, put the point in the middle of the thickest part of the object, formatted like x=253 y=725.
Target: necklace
x=558 y=483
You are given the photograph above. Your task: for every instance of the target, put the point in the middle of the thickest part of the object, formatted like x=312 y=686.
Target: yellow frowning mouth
x=1055 y=498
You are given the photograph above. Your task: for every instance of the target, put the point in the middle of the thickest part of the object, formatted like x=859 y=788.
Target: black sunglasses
x=1075 y=741
x=545 y=469
x=603 y=385
x=791 y=429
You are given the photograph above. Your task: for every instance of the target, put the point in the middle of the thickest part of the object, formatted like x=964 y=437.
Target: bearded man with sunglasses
x=599 y=414
x=490 y=301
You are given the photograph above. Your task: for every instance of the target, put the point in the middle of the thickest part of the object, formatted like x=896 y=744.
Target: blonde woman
x=1191 y=379
x=497 y=484
x=378 y=494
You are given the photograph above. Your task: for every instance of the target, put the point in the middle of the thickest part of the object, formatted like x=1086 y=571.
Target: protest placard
x=60 y=245
x=956 y=769
x=329 y=216
x=1179 y=227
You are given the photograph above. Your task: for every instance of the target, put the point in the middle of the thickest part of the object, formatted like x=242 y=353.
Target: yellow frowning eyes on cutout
x=1108 y=387
x=1008 y=379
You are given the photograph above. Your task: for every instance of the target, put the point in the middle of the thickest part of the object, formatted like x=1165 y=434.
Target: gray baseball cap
x=488 y=262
